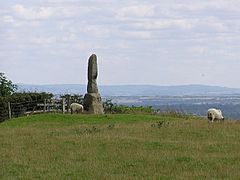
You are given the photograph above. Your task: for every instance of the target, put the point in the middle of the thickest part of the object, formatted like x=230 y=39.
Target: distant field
x=198 y=105
x=56 y=146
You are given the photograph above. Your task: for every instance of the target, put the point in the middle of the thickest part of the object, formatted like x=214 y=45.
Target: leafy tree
x=6 y=86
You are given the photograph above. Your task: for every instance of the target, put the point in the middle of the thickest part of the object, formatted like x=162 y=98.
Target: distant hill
x=133 y=90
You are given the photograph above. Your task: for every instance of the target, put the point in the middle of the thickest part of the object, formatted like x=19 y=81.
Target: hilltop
x=56 y=146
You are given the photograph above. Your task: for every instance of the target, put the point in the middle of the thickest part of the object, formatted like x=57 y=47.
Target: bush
x=6 y=86
x=3 y=108
x=109 y=107
x=122 y=109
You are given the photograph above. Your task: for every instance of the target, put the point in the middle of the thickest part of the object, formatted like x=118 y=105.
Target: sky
x=157 y=42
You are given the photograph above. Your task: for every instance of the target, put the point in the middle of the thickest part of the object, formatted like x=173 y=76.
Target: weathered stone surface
x=92 y=74
x=92 y=100
x=93 y=103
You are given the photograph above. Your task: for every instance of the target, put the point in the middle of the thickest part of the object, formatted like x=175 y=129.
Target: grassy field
x=55 y=146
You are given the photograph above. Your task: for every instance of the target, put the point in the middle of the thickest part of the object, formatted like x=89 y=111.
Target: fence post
x=45 y=105
x=63 y=105
x=68 y=103
x=9 y=111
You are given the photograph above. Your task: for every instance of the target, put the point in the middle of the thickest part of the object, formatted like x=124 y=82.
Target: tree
x=6 y=86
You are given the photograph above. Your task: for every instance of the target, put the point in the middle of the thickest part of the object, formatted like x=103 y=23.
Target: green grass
x=55 y=146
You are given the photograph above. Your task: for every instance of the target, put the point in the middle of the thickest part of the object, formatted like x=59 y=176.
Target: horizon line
x=58 y=84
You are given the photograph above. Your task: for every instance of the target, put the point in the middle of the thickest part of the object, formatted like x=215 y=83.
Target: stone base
x=93 y=103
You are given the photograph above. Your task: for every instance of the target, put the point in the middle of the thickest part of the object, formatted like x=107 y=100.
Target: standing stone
x=92 y=100
x=92 y=74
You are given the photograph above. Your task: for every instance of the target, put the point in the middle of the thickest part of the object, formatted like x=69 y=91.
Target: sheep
x=214 y=114
x=76 y=108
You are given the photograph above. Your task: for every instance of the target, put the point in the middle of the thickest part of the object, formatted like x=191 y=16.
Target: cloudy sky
x=158 y=42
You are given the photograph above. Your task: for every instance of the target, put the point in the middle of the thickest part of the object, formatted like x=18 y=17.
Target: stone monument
x=92 y=100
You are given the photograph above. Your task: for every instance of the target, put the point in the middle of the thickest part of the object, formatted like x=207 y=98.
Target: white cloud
x=216 y=24
x=96 y=31
x=30 y=13
x=198 y=50
x=166 y=23
x=8 y=19
x=75 y=11
x=136 y=11
x=199 y=5
x=174 y=35
x=43 y=40
x=138 y=34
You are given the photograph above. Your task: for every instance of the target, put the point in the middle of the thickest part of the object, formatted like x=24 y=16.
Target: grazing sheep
x=76 y=108
x=214 y=114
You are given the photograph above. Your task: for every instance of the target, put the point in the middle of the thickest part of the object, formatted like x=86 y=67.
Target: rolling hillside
x=134 y=90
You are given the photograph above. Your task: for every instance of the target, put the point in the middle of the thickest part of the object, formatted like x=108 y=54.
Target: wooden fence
x=35 y=107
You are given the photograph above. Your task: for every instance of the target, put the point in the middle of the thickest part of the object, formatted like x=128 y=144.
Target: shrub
x=112 y=108
x=6 y=86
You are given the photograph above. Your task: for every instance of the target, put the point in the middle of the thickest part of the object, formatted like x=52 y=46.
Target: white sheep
x=214 y=114
x=76 y=108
